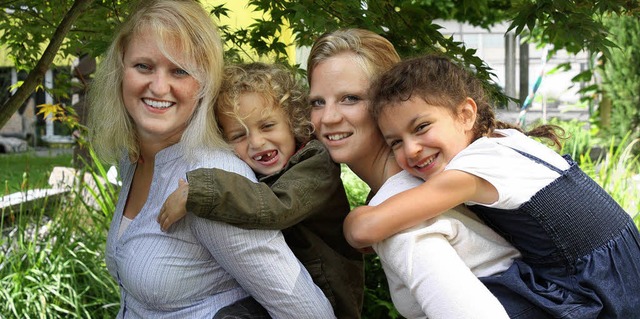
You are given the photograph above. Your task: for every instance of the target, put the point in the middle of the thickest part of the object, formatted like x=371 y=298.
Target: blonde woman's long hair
x=184 y=23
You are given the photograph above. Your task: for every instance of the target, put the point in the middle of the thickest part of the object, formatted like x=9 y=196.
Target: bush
x=52 y=264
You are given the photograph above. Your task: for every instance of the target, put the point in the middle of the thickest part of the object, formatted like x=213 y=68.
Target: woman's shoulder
x=222 y=159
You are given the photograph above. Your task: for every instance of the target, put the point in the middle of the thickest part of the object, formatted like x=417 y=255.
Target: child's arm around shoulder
x=367 y=225
x=279 y=202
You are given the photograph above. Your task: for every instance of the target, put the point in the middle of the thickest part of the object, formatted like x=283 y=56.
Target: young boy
x=263 y=113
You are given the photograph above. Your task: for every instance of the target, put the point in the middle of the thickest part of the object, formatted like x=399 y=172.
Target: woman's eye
x=317 y=103
x=181 y=72
x=351 y=99
x=142 y=67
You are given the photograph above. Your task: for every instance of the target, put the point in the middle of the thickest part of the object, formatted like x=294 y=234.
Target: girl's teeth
x=427 y=162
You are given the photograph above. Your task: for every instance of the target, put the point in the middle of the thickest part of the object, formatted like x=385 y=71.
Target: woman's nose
x=160 y=84
x=331 y=114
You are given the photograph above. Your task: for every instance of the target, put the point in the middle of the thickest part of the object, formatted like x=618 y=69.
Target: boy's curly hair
x=280 y=88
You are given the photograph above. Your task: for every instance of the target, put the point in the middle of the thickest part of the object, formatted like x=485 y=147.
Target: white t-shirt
x=515 y=177
x=432 y=268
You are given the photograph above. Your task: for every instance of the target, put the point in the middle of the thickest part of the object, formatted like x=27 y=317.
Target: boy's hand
x=175 y=207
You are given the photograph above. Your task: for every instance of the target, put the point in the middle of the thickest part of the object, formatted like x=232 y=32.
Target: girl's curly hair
x=439 y=81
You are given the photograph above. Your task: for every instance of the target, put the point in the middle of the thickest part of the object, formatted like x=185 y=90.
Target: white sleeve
x=435 y=278
x=515 y=177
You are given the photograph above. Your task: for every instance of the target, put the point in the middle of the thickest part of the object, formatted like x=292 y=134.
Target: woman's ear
x=468 y=112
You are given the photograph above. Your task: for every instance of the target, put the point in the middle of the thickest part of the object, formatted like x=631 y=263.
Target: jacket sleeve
x=296 y=193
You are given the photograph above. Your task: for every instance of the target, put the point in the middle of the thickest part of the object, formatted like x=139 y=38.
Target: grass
x=28 y=170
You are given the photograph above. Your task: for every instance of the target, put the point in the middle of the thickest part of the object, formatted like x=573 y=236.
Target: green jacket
x=307 y=200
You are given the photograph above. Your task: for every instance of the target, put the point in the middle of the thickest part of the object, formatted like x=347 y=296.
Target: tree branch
x=37 y=74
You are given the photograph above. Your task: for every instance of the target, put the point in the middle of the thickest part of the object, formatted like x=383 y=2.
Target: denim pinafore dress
x=580 y=252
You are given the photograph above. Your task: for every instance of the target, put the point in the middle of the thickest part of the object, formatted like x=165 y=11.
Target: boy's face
x=263 y=139
x=425 y=138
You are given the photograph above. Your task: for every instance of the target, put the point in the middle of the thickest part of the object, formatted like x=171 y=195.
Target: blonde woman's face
x=339 y=109
x=159 y=96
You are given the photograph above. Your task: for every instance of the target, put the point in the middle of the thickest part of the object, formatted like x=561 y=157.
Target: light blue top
x=201 y=265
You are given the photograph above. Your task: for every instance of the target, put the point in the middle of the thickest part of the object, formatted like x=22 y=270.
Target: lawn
x=30 y=169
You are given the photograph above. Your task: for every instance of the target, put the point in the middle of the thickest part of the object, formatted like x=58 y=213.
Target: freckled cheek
x=190 y=93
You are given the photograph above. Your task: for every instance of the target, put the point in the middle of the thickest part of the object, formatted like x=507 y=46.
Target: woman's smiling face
x=159 y=96
x=338 y=96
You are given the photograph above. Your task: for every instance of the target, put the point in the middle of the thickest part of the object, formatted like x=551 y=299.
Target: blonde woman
x=151 y=109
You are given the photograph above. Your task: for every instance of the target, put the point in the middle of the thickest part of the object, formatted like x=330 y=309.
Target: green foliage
x=28 y=25
x=357 y=190
x=52 y=264
x=621 y=78
x=572 y=25
x=407 y=24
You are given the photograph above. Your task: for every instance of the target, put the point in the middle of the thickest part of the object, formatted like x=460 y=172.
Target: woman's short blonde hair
x=277 y=85
x=372 y=52
x=184 y=23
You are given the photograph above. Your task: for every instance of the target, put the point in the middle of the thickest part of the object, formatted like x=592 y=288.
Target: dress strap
x=539 y=160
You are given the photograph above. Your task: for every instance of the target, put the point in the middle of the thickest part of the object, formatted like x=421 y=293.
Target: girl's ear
x=468 y=111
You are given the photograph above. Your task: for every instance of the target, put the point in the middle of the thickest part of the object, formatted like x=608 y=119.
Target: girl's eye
x=317 y=103
x=394 y=144
x=351 y=99
x=421 y=127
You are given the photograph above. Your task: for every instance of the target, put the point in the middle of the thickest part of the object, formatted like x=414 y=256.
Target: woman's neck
x=148 y=151
x=376 y=168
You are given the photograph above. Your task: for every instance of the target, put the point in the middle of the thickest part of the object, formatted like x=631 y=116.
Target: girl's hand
x=175 y=206
x=356 y=227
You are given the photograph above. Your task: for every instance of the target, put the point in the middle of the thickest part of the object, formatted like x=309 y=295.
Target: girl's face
x=339 y=109
x=424 y=138
x=263 y=139
x=159 y=96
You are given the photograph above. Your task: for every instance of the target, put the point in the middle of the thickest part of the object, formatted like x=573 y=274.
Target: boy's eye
x=236 y=137
x=317 y=103
x=268 y=125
